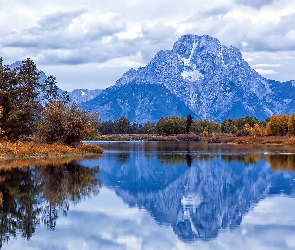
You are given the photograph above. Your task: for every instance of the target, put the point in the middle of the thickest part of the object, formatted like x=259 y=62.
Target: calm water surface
x=153 y=195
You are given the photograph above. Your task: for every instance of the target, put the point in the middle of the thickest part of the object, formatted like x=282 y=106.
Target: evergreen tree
x=19 y=99
x=121 y=125
x=106 y=128
x=50 y=92
x=189 y=121
x=8 y=95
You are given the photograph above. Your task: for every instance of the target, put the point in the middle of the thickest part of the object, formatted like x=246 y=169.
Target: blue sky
x=91 y=43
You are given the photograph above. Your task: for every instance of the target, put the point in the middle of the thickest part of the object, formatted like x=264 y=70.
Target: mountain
x=83 y=95
x=211 y=80
x=144 y=102
x=42 y=76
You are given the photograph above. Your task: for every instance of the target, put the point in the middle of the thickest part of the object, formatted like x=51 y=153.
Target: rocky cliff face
x=212 y=80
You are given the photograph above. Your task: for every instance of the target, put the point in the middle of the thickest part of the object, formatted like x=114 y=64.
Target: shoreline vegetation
x=216 y=138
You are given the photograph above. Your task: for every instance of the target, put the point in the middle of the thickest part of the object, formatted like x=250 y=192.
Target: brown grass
x=290 y=141
x=9 y=150
x=260 y=140
x=136 y=137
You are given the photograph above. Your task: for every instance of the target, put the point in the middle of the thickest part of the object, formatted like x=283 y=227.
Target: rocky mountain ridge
x=83 y=95
x=212 y=80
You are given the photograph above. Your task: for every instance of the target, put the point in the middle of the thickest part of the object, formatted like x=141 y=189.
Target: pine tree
x=121 y=125
x=189 y=121
x=19 y=99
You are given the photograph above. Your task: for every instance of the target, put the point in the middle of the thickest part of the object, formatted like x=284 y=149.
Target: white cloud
x=74 y=33
x=265 y=65
x=266 y=71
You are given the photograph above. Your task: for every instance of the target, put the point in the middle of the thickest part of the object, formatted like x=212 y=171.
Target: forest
x=35 y=109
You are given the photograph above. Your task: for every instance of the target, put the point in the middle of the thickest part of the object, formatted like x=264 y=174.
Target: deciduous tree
x=277 y=125
x=66 y=124
x=256 y=130
x=291 y=125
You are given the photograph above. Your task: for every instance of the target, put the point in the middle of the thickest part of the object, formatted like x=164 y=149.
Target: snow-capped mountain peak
x=212 y=80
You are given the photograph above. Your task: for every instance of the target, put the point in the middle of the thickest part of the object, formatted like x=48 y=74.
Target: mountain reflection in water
x=34 y=195
x=198 y=190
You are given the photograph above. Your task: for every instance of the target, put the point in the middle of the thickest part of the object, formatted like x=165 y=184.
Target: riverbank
x=217 y=138
x=23 y=150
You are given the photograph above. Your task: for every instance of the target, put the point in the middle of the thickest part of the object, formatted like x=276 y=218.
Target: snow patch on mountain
x=83 y=95
x=192 y=76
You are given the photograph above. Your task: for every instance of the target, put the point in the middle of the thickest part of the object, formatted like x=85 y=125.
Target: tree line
x=276 y=125
x=32 y=109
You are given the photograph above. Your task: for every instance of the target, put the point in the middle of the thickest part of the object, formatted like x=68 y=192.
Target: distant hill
x=200 y=76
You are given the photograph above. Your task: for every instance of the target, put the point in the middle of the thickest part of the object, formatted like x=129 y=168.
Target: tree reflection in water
x=282 y=162
x=34 y=195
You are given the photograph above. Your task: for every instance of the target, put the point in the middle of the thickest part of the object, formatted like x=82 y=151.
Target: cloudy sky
x=91 y=43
